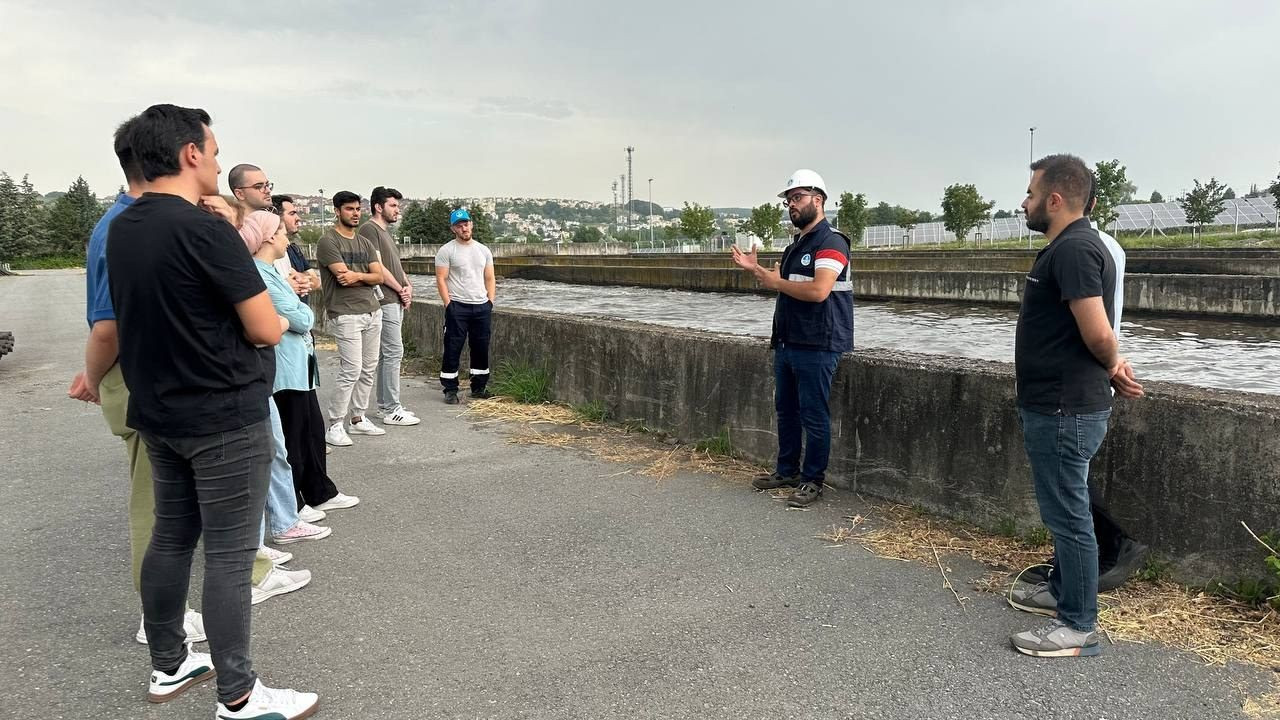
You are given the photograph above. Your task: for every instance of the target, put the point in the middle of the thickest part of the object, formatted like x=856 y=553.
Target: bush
x=523 y=382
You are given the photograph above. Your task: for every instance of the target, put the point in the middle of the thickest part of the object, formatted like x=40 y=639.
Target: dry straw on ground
x=1214 y=628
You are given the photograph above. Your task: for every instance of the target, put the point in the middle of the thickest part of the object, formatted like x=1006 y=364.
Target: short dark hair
x=158 y=135
x=279 y=200
x=381 y=195
x=344 y=197
x=1093 y=194
x=124 y=152
x=236 y=176
x=1066 y=175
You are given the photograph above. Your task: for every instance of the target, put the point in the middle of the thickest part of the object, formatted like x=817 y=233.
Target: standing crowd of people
x=202 y=357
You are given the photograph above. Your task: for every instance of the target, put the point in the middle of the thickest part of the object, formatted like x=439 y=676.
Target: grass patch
x=523 y=382
x=594 y=411
x=720 y=444
x=1155 y=570
x=47 y=262
x=1007 y=527
x=1038 y=536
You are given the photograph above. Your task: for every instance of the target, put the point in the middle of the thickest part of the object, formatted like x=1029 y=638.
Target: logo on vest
x=806 y=259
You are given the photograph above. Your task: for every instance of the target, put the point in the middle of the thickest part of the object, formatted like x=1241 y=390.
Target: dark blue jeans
x=1060 y=448
x=216 y=486
x=463 y=323
x=801 y=396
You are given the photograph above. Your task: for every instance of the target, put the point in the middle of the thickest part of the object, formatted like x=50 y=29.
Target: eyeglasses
x=795 y=198
x=260 y=187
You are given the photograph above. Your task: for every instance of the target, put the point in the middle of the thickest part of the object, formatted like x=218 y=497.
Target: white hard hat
x=804 y=178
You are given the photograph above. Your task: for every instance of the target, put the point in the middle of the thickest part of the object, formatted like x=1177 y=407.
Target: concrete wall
x=1180 y=468
x=1225 y=295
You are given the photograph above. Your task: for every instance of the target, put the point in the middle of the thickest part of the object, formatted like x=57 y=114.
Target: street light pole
x=321 y=207
x=650 y=212
x=1032 y=154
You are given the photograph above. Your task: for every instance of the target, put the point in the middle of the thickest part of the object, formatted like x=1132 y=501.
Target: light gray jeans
x=358 y=337
x=390 y=356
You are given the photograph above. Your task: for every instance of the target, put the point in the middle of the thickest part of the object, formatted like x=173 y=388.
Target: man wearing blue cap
x=464 y=277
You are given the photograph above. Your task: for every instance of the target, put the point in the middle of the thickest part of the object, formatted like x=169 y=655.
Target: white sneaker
x=364 y=427
x=338 y=502
x=192 y=625
x=337 y=435
x=265 y=702
x=277 y=557
x=164 y=687
x=310 y=514
x=279 y=582
x=399 y=416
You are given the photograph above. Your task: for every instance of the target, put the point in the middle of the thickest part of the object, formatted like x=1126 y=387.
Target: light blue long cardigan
x=293 y=354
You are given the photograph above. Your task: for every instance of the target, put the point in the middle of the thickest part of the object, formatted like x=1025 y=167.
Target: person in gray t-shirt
x=464 y=277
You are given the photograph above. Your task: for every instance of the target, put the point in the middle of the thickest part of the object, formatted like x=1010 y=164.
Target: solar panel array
x=1130 y=218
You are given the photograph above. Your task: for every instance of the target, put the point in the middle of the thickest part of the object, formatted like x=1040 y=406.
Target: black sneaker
x=481 y=394
x=451 y=398
x=805 y=494
x=1038 y=573
x=774 y=480
x=1128 y=561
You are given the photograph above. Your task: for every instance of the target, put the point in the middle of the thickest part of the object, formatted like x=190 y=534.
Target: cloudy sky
x=722 y=100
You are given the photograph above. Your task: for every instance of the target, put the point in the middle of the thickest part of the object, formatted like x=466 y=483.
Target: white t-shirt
x=1117 y=255
x=466 y=265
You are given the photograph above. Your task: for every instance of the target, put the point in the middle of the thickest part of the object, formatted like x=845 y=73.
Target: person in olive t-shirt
x=397 y=293
x=351 y=276
x=1066 y=359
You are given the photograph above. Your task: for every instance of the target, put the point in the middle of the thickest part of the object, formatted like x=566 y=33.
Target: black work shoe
x=1038 y=573
x=805 y=494
x=1128 y=561
x=774 y=480
x=451 y=398
x=481 y=394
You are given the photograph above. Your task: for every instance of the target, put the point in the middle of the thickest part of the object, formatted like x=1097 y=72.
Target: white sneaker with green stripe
x=164 y=687
x=271 y=704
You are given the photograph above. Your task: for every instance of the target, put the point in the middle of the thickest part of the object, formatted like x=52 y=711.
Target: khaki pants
x=142 y=503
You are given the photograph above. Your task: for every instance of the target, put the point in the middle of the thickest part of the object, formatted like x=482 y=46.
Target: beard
x=1037 y=219
x=348 y=223
x=802 y=218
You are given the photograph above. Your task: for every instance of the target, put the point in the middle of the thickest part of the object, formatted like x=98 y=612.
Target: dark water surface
x=1196 y=351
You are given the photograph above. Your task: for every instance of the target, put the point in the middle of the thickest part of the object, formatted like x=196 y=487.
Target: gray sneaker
x=1036 y=599
x=774 y=480
x=1057 y=640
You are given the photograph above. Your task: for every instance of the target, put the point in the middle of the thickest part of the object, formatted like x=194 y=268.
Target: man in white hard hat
x=812 y=326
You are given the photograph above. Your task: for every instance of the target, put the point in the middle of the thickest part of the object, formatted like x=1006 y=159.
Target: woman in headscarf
x=297 y=376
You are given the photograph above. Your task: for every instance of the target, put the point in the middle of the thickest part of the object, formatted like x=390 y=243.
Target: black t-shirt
x=1056 y=371
x=176 y=274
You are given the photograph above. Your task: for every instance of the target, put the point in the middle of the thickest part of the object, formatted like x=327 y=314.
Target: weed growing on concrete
x=1038 y=536
x=1007 y=527
x=594 y=411
x=721 y=444
x=1156 y=569
x=523 y=382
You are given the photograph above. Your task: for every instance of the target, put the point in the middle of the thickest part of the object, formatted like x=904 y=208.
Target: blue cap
x=458 y=216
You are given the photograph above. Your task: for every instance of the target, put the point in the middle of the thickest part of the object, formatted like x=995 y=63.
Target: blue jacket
x=826 y=325
x=295 y=353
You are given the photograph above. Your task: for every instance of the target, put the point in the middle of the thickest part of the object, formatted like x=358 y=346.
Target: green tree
x=310 y=235
x=413 y=224
x=1275 y=193
x=1204 y=202
x=852 y=216
x=71 y=220
x=437 y=222
x=882 y=214
x=1002 y=214
x=697 y=222
x=23 y=226
x=1156 y=197
x=587 y=234
x=963 y=209
x=765 y=222
x=1114 y=189
x=1229 y=194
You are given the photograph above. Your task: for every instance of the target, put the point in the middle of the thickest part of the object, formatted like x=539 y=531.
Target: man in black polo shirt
x=195 y=328
x=1067 y=358
x=812 y=326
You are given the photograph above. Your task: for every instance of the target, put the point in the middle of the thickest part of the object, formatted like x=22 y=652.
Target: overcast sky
x=722 y=100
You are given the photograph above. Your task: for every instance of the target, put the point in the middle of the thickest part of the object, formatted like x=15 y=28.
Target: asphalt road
x=483 y=579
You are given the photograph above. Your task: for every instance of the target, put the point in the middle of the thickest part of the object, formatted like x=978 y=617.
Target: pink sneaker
x=302 y=531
